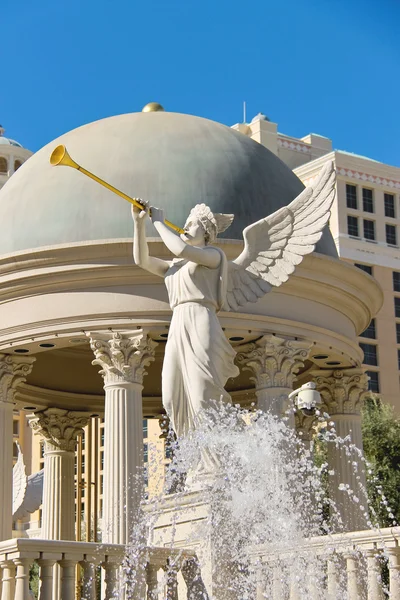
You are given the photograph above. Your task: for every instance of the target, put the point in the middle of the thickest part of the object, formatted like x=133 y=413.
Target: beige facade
x=364 y=224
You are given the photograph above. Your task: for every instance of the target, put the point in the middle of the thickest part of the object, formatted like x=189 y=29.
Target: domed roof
x=7 y=141
x=172 y=160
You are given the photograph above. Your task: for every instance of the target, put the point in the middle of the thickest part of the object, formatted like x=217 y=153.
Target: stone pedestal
x=274 y=362
x=13 y=371
x=60 y=429
x=342 y=392
x=123 y=357
x=188 y=521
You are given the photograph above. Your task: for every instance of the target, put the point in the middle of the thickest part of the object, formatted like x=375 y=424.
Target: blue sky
x=328 y=67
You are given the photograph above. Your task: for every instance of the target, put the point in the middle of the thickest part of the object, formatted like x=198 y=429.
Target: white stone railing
x=18 y=555
x=349 y=566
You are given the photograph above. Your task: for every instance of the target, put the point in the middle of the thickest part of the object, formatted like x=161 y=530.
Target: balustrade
x=350 y=563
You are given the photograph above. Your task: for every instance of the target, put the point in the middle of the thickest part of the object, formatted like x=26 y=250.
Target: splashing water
x=245 y=486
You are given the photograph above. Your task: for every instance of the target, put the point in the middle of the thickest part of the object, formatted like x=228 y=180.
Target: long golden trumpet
x=60 y=156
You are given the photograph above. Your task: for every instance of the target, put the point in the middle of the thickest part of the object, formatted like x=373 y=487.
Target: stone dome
x=172 y=160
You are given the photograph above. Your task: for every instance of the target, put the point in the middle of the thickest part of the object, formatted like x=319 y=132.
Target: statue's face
x=194 y=233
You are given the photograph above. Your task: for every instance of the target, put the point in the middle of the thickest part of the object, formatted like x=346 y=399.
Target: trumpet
x=60 y=156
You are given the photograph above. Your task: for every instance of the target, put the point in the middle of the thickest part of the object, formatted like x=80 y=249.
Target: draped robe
x=198 y=358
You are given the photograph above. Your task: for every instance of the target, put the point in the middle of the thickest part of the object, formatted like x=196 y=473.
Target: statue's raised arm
x=275 y=245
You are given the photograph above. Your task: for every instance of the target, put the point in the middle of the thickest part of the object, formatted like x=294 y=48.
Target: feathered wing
x=275 y=245
x=20 y=481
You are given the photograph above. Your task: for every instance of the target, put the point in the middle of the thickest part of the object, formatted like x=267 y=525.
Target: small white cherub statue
x=201 y=281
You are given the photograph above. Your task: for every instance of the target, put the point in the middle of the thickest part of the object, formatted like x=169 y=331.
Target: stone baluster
x=353 y=587
x=152 y=581
x=333 y=578
x=60 y=429
x=68 y=572
x=8 y=588
x=22 y=577
x=274 y=362
x=89 y=583
x=374 y=580
x=172 y=581
x=342 y=393
x=13 y=371
x=111 y=579
x=394 y=573
x=278 y=587
x=123 y=357
x=46 y=565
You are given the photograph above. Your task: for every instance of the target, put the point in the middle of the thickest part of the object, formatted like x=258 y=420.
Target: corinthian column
x=60 y=430
x=342 y=392
x=13 y=371
x=123 y=357
x=274 y=362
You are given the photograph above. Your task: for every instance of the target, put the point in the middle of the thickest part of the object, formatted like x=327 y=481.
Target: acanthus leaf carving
x=122 y=356
x=60 y=428
x=342 y=390
x=274 y=360
x=13 y=371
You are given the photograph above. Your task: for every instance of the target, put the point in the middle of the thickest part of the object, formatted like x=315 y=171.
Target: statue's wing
x=20 y=481
x=33 y=496
x=274 y=245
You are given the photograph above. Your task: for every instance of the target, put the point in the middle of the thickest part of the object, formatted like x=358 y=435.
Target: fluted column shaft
x=123 y=357
x=60 y=429
x=123 y=460
x=342 y=392
x=274 y=362
x=13 y=372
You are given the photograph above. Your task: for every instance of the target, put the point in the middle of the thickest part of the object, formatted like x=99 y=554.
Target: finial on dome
x=2 y=130
x=152 y=107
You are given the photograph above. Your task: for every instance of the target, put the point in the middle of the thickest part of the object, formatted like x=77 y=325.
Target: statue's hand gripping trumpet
x=201 y=281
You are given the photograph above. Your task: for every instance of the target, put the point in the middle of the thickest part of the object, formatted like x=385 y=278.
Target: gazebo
x=72 y=298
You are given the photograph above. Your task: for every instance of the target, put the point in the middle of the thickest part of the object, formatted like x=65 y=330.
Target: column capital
x=13 y=371
x=122 y=355
x=342 y=390
x=274 y=360
x=60 y=428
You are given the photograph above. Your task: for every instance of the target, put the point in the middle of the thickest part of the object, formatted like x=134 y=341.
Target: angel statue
x=201 y=282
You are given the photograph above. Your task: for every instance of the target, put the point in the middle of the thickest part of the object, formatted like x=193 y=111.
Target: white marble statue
x=201 y=282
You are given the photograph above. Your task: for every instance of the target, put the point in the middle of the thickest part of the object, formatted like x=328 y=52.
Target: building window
x=373 y=383
x=16 y=428
x=389 y=205
x=102 y=436
x=3 y=165
x=391 y=237
x=398 y=359
x=146 y=477
x=398 y=333
x=15 y=450
x=351 y=196
x=369 y=229
x=365 y=268
x=370 y=332
x=145 y=452
x=397 y=308
x=145 y=428
x=101 y=460
x=396 y=281
x=368 y=201
x=370 y=354
x=352 y=226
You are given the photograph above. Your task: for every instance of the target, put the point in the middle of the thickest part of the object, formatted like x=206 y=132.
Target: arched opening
x=17 y=164
x=3 y=165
